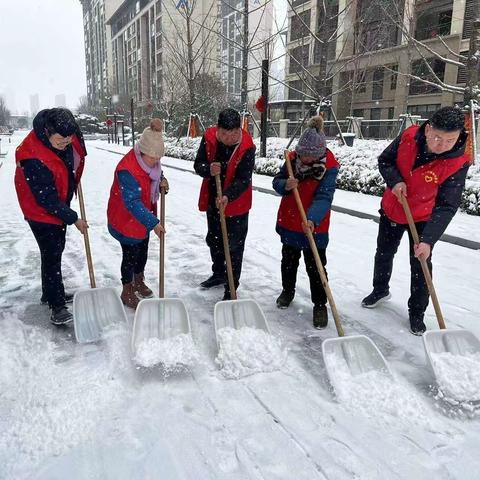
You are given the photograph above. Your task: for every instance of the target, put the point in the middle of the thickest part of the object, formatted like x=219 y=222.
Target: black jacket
x=243 y=173
x=40 y=178
x=449 y=194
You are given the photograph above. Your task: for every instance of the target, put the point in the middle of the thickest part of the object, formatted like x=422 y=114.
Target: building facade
x=97 y=53
x=364 y=48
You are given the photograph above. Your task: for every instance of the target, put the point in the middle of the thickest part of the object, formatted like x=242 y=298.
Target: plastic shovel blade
x=456 y=342
x=357 y=353
x=159 y=318
x=238 y=314
x=95 y=309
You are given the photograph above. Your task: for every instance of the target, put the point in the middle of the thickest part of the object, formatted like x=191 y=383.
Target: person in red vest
x=132 y=209
x=315 y=171
x=229 y=151
x=50 y=162
x=428 y=165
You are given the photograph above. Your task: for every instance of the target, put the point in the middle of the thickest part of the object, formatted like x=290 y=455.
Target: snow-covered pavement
x=84 y=411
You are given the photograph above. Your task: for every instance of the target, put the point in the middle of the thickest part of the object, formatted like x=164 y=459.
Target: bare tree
x=4 y=112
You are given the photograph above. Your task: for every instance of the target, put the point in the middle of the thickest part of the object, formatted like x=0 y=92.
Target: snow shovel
x=357 y=353
x=96 y=308
x=234 y=313
x=160 y=318
x=456 y=342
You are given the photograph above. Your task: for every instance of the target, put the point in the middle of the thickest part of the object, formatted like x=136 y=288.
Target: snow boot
x=285 y=299
x=372 y=300
x=417 y=327
x=140 y=287
x=60 y=315
x=320 y=316
x=68 y=299
x=213 y=281
x=128 y=296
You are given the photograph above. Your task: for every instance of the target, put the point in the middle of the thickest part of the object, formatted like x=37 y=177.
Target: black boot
x=213 y=281
x=417 y=327
x=60 y=315
x=320 y=316
x=285 y=299
x=372 y=300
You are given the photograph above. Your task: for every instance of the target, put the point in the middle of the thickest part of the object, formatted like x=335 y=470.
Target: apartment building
x=363 y=48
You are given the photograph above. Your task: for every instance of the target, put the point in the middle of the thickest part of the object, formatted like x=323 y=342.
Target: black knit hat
x=61 y=121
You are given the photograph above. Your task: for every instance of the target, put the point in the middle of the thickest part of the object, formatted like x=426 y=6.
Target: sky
x=41 y=51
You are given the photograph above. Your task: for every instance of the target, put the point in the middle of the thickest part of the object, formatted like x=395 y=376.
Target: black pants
x=51 y=241
x=388 y=240
x=237 y=228
x=290 y=260
x=134 y=259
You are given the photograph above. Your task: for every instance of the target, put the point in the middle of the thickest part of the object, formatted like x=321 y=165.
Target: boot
x=213 y=281
x=60 y=315
x=140 y=287
x=417 y=327
x=320 y=316
x=285 y=299
x=375 y=298
x=128 y=296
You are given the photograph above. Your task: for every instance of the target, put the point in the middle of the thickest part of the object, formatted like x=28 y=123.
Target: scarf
x=155 y=174
x=315 y=170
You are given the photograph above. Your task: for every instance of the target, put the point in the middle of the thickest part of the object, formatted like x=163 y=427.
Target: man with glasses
x=428 y=165
x=49 y=166
x=228 y=151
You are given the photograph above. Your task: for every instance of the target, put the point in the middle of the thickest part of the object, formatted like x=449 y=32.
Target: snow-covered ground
x=86 y=412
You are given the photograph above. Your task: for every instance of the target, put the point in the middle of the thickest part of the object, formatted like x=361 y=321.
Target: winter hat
x=312 y=142
x=61 y=121
x=151 y=141
x=228 y=119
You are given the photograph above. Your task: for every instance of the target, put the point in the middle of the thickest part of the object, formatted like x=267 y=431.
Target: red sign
x=109 y=122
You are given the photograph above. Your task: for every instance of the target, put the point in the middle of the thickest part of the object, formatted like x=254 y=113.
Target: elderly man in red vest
x=427 y=164
x=49 y=166
x=229 y=151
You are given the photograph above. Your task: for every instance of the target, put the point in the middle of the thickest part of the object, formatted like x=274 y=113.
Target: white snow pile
x=247 y=351
x=377 y=395
x=458 y=376
x=49 y=402
x=171 y=353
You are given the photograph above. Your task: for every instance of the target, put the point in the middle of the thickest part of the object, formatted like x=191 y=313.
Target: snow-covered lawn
x=85 y=411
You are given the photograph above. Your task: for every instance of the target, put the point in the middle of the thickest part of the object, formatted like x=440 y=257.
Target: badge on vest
x=430 y=176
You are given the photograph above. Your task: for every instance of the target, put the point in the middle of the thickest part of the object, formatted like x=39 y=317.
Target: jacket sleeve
x=387 y=164
x=42 y=185
x=280 y=181
x=131 y=194
x=448 y=200
x=322 y=202
x=243 y=176
x=201 y=164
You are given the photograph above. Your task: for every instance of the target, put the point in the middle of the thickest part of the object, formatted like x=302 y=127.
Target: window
x=462 y=71
x=420 y=69
x=375 y=113
x=393 y=77
x=468 y=19
x=297 y=25
x=293 y=94
x=357 y=112
x=360 y=82
x=391 y=112
x=298 y=58
x=424 y=111
x=377 y=86
x=434 y=19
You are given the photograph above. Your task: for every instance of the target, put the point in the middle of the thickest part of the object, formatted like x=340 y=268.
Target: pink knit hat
x=151 y=141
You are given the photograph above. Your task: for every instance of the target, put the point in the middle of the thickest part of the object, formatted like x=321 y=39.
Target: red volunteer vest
x=243 y=203
x=422 y=183
x=33 y=148
x=288 y=216
x=118 y=215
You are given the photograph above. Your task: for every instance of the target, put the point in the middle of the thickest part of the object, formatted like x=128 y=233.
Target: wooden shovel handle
x=226 y=247
x=313 y=247
x=423 y=263
x=161 y=273
x=85 y=237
